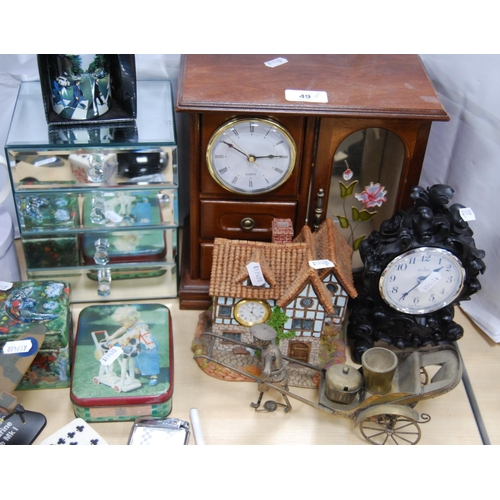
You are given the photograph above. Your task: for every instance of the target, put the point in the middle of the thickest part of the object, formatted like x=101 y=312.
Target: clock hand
x=420 y=279
x=253 y=314
x=235 y=148
x=271 y=156
x=250 y=158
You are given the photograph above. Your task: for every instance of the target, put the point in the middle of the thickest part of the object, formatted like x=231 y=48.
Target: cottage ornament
x=306 y=306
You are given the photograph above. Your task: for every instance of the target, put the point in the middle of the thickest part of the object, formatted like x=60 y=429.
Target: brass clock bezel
x=244 y=322
x=226 y=126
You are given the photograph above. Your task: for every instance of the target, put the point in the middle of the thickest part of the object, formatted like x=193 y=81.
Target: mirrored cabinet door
x=364 y=172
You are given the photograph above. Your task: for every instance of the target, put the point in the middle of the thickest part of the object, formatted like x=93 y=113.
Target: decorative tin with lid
x=123 y=365
x=47 y=303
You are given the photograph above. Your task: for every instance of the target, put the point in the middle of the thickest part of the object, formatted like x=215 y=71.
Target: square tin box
x=47 y=303
x=123 y=362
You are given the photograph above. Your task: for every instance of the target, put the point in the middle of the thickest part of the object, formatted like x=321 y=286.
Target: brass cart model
x=382 y=419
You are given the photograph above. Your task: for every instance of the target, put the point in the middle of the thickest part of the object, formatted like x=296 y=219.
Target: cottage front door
x=299 y=351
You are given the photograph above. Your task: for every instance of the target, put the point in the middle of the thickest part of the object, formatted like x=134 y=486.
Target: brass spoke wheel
x=390 y=429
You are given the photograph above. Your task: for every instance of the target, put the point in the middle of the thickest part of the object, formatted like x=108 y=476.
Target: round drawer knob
x=247 y=224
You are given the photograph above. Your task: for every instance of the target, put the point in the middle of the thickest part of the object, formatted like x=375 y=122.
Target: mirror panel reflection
x=366 y=172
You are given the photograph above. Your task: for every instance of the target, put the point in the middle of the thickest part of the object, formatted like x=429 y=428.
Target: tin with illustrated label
x=27 y=303
x=131 y=209
x=123 y=363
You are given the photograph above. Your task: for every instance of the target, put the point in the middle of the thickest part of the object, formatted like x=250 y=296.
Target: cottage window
x=307 y=302
x=337 y=312
x=225 y=311
x=333 y=288
x=232 y=336
x=302 y=324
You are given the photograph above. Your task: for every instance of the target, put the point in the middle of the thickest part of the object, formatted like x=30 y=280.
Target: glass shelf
x=153 y=126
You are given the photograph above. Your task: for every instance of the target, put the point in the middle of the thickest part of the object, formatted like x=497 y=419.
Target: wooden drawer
x=228 y=219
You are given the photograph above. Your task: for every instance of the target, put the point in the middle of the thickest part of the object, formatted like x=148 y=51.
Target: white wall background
x=462 y=153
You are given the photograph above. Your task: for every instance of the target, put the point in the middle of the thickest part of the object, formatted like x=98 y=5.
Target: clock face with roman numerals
x=251 y=156
x=422 y=280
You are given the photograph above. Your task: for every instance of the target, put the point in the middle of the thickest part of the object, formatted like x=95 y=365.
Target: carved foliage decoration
x=431 y=223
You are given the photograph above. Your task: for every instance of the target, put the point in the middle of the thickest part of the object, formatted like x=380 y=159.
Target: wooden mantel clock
x=267 y=136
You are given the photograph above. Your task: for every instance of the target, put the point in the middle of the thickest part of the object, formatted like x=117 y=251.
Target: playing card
x=76 y=432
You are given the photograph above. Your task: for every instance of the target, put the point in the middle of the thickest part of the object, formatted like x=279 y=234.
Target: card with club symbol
x=77 y=432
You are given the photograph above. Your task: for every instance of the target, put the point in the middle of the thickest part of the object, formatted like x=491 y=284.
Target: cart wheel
x=96 y=380
x=270 y=406
x=390 y=429
x=117 y=389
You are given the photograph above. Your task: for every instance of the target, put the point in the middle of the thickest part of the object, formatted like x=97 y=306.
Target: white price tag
x=467 y=214
x=321 y=264
x=113 y=216
x=17 y=346
x=46 y=161
x=306 y=95
x=111 y=355
x=429 y=282
x=255 y=274
x=5 y=285
x=276 y=62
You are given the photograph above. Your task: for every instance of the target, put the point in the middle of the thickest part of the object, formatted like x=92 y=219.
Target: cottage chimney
x=282 y=230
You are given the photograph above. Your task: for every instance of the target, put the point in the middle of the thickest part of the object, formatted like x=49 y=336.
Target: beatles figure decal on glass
x=80 y=85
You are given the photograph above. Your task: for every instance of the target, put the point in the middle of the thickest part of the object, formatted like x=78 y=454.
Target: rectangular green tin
x=116 y=392
x=47 y=303
x=27 y=303
x=51 y=369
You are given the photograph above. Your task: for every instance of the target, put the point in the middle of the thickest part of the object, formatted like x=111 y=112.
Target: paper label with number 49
x=306 y=95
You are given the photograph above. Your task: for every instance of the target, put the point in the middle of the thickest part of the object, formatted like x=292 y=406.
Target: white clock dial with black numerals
x=251 y=156
x=422 y=280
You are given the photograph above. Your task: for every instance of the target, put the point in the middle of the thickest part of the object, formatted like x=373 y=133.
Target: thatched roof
x=285 y=266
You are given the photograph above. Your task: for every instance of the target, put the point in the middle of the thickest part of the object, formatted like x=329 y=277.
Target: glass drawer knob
x=103 y=282
x=101 y=251
x=96 y=170
x=98 y=212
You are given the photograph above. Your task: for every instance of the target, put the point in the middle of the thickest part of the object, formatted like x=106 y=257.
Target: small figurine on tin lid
x=274 y=370
x=135 y=338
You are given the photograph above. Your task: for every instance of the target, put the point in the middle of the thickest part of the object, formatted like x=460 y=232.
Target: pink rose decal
x=372 y=196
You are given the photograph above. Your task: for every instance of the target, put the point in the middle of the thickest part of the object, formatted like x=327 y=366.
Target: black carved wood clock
x=417 y=268
x=264 y=130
